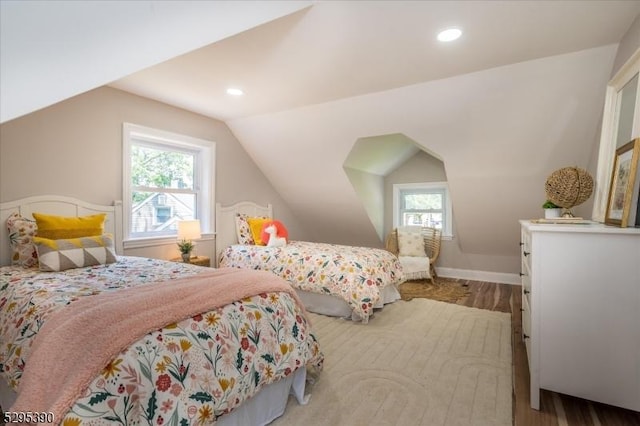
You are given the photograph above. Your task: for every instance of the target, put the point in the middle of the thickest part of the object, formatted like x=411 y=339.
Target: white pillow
x=411 y=244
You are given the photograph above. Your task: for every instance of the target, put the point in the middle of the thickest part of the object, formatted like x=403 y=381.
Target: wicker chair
x=432 y=240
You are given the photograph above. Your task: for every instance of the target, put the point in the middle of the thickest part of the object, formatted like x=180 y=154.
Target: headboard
x=226 y=222
x=62 y=206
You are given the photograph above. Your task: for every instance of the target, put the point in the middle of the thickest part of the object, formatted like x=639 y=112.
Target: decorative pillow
x=59 y=227
x=255 y=225
x=281 y=231
x=411 y=244
x=63 y=254
x=21 y=233
x=243 y=231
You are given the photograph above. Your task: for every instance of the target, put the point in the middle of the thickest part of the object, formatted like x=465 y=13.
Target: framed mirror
x=620 y=124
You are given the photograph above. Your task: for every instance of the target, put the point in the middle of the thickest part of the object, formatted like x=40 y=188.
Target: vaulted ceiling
x=517 y=96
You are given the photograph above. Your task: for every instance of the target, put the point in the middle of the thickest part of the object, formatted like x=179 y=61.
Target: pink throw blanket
x=78 y=341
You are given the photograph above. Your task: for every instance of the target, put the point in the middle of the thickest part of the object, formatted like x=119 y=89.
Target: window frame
x=432 y=187
x=204 y=173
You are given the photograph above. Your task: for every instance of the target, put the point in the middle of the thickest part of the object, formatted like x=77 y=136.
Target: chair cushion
x=411 y=244
x=415 y=268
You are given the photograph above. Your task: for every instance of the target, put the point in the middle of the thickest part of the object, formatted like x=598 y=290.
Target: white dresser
x=581 y=311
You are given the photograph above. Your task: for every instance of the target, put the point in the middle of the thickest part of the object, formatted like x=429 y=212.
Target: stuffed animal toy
x=274 y=234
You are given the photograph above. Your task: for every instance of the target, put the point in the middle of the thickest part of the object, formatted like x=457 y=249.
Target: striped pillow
x=60 y=255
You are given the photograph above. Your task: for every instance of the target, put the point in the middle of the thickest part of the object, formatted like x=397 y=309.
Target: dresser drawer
x=526 y=327
x=526 y=317
x=526 y=286
x=525 y=251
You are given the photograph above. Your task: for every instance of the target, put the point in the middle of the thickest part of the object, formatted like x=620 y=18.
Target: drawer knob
x=521 y=309
x=521 y=243
x=526 y=253
x=522 y=274
x=527 y=292
x=524 y=336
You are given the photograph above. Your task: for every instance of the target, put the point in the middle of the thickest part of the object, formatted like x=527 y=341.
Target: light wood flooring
x=555 y=409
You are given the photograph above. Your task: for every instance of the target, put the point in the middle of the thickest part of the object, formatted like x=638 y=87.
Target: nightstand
x=195 y=260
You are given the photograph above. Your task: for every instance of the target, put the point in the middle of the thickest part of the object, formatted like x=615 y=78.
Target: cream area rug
x=421 y=362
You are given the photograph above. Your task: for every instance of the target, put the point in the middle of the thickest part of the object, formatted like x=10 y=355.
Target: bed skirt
x=326 y=304
x=263 y=408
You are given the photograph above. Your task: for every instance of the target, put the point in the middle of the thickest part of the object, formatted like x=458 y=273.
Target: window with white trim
x=423 y=204
x=167 y=178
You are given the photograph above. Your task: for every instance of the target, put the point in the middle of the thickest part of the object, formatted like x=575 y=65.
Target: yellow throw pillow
x=60 y=227
x=255 y=225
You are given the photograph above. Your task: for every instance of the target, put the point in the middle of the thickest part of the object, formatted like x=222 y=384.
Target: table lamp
x=188 y=230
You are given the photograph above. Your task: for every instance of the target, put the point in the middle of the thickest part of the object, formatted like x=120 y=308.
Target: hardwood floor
x=555 y=409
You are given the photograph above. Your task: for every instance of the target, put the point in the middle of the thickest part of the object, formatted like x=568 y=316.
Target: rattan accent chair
x=432 y=241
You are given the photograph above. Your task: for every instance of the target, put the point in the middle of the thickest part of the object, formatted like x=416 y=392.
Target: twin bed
x=233 y=350
x=137 y=340
x=330 y=279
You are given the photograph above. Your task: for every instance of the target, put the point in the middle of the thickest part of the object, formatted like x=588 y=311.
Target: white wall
x=74 y=148
x=501 y=132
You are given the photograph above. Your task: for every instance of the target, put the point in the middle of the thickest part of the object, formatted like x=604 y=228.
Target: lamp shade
x=189 y=230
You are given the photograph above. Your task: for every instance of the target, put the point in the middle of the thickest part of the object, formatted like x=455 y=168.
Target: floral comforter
x=354 y=274
x=189 y=372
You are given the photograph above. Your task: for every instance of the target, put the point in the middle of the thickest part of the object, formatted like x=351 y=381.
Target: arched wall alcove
x=376 y=163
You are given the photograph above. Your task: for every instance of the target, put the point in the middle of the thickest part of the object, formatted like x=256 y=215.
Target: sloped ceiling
x=52 y=50
x=380 y=154
x=500 y=133
x=339 y=49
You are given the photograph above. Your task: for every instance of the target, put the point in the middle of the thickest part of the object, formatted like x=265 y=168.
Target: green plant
x=549 y=205
x=185 y=246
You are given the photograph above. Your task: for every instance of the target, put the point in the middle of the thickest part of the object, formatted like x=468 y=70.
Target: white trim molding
x=468 y=274
x=447 y=229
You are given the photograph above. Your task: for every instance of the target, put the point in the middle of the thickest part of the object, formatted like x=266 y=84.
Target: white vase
x=552 y=213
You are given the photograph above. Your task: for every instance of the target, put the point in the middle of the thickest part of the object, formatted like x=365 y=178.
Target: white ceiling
x=53 y=50
x=339 y=49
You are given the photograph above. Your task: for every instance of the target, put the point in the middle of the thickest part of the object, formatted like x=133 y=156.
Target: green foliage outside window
x=155 y=168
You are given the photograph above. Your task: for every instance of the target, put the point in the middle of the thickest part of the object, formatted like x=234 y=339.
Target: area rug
x=422 y=362
x=444 y=290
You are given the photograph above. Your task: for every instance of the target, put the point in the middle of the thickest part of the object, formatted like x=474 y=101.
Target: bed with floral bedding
x=330 y=279
x=190 y=371
x=102 y=339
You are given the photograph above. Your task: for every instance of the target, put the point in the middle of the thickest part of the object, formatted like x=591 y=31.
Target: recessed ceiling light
x=234 y=92
x=449 y=34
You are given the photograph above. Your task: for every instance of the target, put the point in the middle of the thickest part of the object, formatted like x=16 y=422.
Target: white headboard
x=226 y=222
x=62 y=206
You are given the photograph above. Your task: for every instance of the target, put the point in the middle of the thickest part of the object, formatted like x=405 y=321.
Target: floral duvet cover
x=189 y=372
x=354 y=274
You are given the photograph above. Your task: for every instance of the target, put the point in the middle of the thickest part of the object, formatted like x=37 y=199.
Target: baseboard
x=468 y=274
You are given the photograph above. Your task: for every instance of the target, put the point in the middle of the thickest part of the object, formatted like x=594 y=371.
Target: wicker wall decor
x=569 y=187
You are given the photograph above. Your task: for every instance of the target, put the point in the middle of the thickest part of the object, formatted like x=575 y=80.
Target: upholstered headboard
x=62 y=206
x=226 y=222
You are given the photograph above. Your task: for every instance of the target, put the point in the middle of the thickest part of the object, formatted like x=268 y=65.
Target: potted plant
x=551 y=211
x=185 y=247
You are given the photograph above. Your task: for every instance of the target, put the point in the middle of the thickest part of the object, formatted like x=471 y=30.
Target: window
x=422 y=204
x=167 y=178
